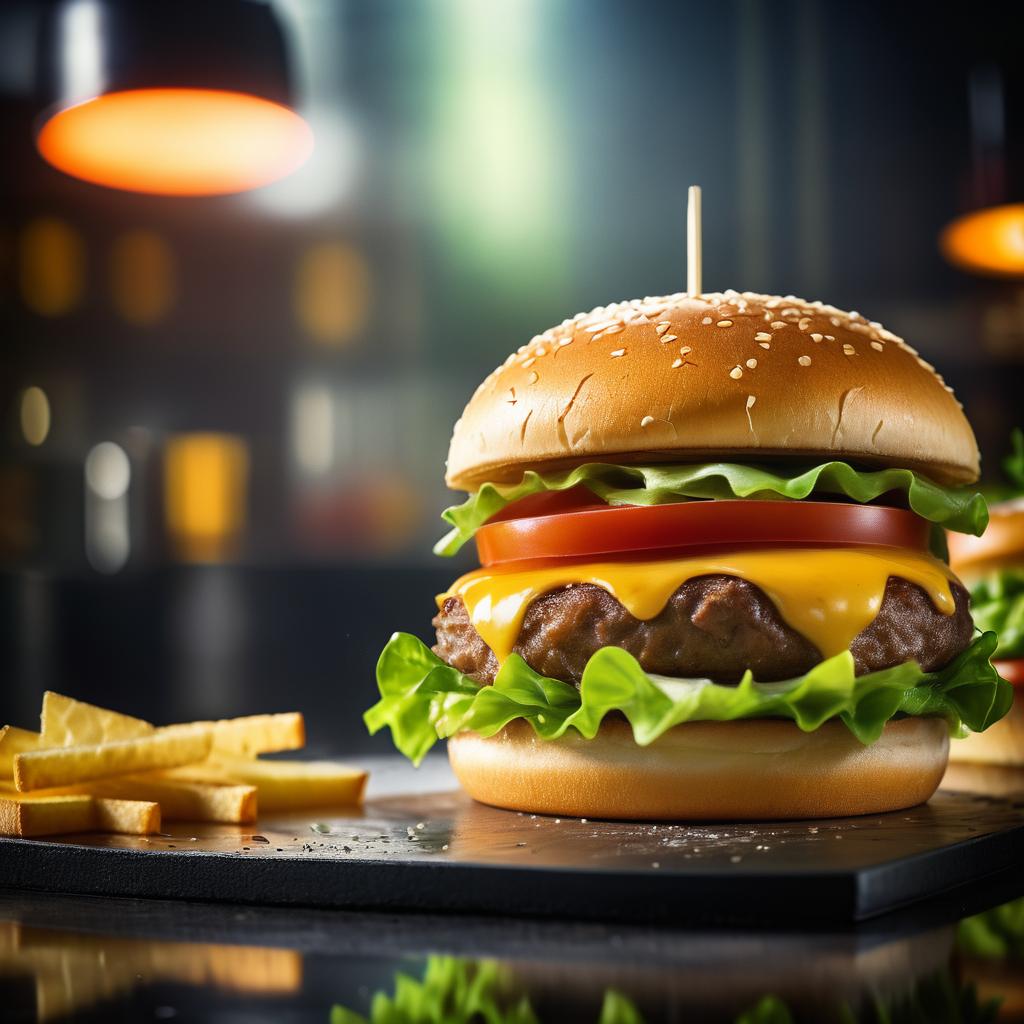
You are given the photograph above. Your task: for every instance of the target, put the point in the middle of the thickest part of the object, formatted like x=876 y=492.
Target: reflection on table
x=65 y=958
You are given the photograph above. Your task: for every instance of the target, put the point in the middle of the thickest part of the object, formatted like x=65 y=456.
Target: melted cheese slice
x=828 y=595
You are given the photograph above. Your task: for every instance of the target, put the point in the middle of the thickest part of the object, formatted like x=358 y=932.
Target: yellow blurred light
x=332 y=293
x=51 y=266
x=141 y=277
x=177 y=141
x=35 y=415
x=205 y=484
x=987 y=241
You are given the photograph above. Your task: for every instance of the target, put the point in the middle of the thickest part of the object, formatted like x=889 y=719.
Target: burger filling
x=755 y=604
x=714 y=627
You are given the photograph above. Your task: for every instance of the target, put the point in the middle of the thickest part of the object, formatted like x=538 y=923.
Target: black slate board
x=443 y=852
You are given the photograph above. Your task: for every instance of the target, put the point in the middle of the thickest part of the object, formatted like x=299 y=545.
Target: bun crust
x=1002 y=543
x=761 y=770
x=1002 y=743
x=716 y=376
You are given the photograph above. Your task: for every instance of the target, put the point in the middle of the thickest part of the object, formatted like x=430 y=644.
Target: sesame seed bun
x=716 y=376
x=763 y=769
x=1002 y=543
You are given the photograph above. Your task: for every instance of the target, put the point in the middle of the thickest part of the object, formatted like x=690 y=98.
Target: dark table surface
x=87 y=958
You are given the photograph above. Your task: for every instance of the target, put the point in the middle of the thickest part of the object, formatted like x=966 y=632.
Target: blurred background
x=224 y=417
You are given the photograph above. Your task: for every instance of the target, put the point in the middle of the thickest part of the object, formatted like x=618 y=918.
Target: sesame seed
x=736 y=372
x=527 y=363
x=614 y=329
x=762 y=336
x=646 y=421
x=618 y=352
x=804 y=323
x=707 y=321
x=603 y=326
x=685 y=350
x=751 y=364
x=816 y=338
x=877 y=346
x=777 y=325
x=765 y=344
x=533 y=377
x=849 y=350
x=804 y=360
x=564 y=342
x=677 y=364
x=830 y=337
x=663 y=327
x=751 y=399
x=724 y=323
x=835 y=321
x=668 y=338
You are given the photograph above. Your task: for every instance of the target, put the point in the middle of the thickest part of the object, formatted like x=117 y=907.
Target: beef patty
x=712 y=627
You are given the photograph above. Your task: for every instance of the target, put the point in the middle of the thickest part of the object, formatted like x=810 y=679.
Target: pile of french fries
x=93 y=770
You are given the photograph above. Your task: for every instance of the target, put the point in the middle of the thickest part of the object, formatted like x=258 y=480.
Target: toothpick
x=693 y=244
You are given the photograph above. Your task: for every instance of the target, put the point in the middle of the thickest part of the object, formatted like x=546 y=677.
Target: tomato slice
x=623 y=529
x=1011 y=671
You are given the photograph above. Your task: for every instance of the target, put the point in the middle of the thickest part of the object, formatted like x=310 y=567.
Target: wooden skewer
x=693 y=243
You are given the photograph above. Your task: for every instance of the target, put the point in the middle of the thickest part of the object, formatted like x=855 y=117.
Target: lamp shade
x=989 y=241
x=183 y=98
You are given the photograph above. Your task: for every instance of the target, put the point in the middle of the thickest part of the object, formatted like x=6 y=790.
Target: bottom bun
x=763 y=770
x=1002 y=743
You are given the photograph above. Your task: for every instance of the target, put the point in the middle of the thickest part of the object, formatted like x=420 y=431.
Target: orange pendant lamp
x=988 y=238
x=190 y=98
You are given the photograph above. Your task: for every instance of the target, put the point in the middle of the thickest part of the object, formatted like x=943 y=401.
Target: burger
x=713 y=582
x=993 y=567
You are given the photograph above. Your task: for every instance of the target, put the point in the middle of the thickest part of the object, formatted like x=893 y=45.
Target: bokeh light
x=107 y=471
x=205 y=483
x=51 y=266
x=108 y=475
x=332 y=293
x=142 y=279
x=34 y=415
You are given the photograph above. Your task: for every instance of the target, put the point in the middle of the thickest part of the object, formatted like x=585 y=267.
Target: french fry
x=65 y=766
x=14 y=741
x=73 y=723
x=45 y=816
x=183 y=801
x=129 y=817
x=284 y=784
x=258 y=734
x=49 y=812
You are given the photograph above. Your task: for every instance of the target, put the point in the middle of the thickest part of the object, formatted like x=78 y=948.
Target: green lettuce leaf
x=957 y=509
x=423 y=699
x=997 y=604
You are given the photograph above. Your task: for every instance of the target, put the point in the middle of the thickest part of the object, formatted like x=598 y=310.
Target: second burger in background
x=993 y=567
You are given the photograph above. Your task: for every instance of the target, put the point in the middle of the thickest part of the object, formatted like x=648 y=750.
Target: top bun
x=681 y=378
